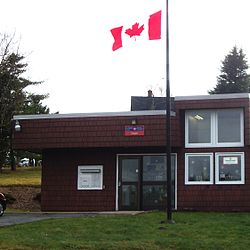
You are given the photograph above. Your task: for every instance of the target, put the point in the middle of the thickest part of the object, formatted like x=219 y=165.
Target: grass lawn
x=23 y=176
x=141 y=232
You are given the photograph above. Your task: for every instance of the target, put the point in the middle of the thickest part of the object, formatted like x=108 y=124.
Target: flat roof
x=101 y=114
x=133 y=113
x=212 y=97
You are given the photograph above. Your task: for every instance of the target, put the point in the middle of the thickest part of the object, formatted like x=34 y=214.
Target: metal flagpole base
x=167 y=222
x=170 y=222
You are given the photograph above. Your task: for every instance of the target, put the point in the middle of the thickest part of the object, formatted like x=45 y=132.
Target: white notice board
x=90 y=177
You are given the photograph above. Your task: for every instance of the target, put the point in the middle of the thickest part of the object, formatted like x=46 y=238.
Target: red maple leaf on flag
x=153 y=28
x=135 y=31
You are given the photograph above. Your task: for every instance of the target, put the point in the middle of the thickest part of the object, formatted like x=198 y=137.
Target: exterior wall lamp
x=17 y=127
x=134 y=122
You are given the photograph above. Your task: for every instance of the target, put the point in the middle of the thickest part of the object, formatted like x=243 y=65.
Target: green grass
x=23 y=176
x=140 y=232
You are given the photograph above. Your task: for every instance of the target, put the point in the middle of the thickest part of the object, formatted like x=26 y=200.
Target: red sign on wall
x=134 y=130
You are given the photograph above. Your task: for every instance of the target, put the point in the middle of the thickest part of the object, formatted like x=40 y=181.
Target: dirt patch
x=24 y=197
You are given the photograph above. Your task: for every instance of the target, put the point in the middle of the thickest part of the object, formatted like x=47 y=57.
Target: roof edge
x=212 y=97
x=81 y=115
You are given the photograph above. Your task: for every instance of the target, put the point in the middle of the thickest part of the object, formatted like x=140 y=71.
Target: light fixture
x=134 y=122
x=198 y=117
x=17 y=126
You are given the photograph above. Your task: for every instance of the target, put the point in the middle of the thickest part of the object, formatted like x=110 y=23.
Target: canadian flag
x=154 y=30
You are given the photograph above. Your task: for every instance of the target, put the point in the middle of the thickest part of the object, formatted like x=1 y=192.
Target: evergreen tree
x=14 y=99
x=233 y=77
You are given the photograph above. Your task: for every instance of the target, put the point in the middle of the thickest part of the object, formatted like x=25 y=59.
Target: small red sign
x=135 y=130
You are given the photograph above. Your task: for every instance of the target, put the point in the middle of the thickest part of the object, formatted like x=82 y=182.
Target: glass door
x=142 y=183
x=154 y=182
x=129 y=175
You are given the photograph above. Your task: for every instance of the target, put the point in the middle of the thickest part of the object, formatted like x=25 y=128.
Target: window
x=229 y=126
x=154 y=177
x=199 y=168
x=214 y=128
x=199 y=127
x=90 y=177
x=154 y=168
x=229 y=168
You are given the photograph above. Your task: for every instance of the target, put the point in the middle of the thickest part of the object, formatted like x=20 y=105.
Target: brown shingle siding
x=69 y=142
x=212 y=104
x=88 y=132
x=214 y=197
x=109 y=131
x=59 y=182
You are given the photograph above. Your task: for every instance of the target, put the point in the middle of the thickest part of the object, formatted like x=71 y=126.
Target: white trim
x=141 y=154
x=214 y=130
x=102 y=114
x=116 y=184
x=230 y=154
x=176 y=165
x=210 y=182
x=212 y=97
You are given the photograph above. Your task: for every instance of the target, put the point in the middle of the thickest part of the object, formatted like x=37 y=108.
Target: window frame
x=93 y=169
x=211 y=181
x=217 y=168
x=214 y=130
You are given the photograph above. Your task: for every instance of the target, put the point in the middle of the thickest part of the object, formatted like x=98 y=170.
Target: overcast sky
x=69 y=46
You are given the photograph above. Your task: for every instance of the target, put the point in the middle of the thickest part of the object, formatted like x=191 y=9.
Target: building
x=115 y=161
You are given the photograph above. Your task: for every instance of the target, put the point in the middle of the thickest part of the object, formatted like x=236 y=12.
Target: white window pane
x=215 y=128
x=199 y=168
x=229 y=126
x=199 y=127
x=230 y=168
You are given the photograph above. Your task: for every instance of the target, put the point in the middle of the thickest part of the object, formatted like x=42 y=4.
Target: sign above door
x=134 y=130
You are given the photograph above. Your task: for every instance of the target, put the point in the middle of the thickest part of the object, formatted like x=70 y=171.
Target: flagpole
x=168 y=127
